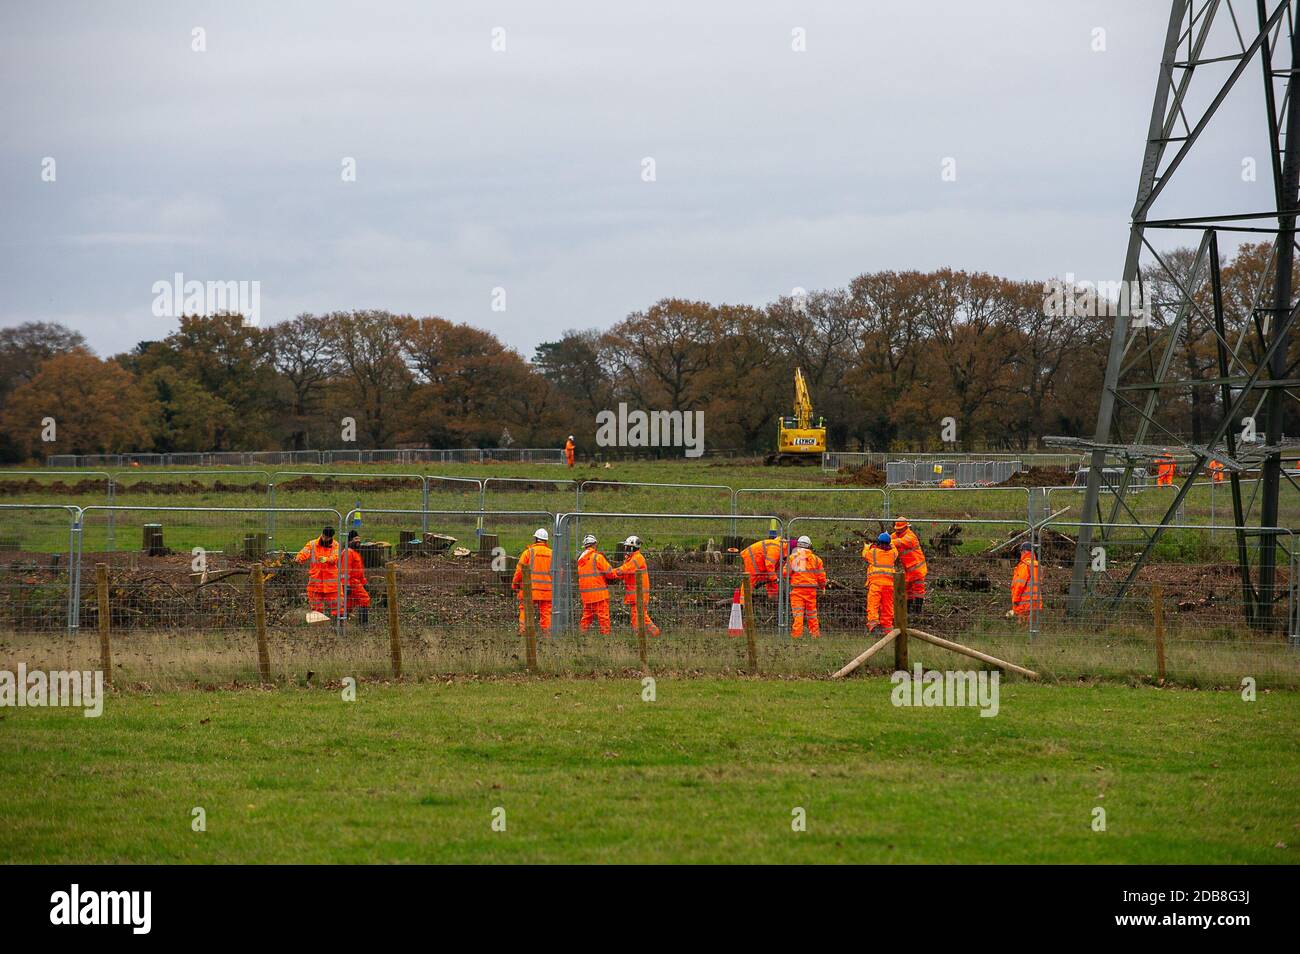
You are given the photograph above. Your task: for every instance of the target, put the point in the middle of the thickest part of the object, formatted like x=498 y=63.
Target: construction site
x=750 y=505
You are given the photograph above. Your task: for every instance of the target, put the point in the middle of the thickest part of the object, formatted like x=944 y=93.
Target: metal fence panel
x=38 y=546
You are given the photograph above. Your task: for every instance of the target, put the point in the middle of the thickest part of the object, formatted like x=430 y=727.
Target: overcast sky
x=523 y=168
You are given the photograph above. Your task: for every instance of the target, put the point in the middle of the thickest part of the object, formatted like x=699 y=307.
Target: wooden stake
x=640 y=620
x=900 y=620
x=875 y=648
x=394 y=627
x=1158 y=618
x=530 y=620
x=105 y=620
x=973 y=653
x=259 y=620
x=747 y=615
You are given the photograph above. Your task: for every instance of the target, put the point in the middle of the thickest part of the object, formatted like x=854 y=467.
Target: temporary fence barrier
x=547 y=494
x=406 y=488
x=850 y=460
x=181 y=578
x=1192 y=571
x=38 y=546
x=192 y=568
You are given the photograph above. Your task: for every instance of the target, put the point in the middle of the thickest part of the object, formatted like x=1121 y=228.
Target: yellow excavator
x=798 y=439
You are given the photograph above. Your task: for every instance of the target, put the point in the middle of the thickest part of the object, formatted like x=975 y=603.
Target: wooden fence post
x=900 y=620
x=1158 y=618
x=105 y=620
x=530 y=620
x=641 y=609
x=259 y=620
x=747 y=615
x=394 y=627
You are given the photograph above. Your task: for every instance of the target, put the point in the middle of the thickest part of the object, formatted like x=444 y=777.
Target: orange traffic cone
x=736 y=625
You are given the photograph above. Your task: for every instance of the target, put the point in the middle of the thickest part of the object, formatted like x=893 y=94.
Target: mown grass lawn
x=709 y=772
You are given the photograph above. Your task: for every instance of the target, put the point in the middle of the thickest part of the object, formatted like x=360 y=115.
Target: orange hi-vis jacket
x=805 y=570
x=594 y=575
x=323 y=568
x=1026 y=585
x=909 y=548
x=630 y=568
x=1216 y=471
x=763 y=557
x=880 y=564
x=356 y=580
x=537 y=556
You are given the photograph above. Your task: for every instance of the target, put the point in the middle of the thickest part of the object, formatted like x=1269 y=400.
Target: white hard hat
x=804 y=542
x=589 y=540
x=632 y=541
x=541 y=534
x=570 y=437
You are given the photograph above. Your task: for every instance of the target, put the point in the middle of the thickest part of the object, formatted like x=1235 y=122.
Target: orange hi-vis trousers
x=650 y=628
x=803 y=607
x=880 y=604
x=599 y=611
x=543 y=608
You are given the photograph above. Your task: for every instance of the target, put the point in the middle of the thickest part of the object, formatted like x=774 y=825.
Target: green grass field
x=709 y=772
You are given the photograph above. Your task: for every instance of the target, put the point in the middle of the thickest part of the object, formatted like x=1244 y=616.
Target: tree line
x=888 y=358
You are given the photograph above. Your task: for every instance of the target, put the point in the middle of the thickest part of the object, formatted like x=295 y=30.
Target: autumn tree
x=96 y=407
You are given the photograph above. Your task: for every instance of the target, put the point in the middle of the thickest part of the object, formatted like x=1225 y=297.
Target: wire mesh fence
x=37 y=550
x=180 y=581
x=529 y=493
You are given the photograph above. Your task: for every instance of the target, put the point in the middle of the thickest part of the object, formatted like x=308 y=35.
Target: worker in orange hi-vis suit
x=631 y=568
x=594 y=576
x=1216 y=471
x=807 y=576
x=569 y=448
x=358 y=599
x=1165 y=470
x=537 y=556
x=762 y=561
x=1026 y=585
x=322 y=557
x=881 y=559
x=909 y=550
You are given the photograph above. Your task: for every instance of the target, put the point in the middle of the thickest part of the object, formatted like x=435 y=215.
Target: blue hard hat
x=773 y=534
x=884 y=539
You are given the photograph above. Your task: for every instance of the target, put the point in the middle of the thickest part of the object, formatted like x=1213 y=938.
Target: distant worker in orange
x=322 y=557
x=569 y=448
x=881 y=559
x=594 y=576
x=630 y=569
x=1216 y=471
x=536 y=556
x=807 y=576
x=909 y=550
x=762 y=561
x=358 y=599
x=1166 y=468
x=1026 y=585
